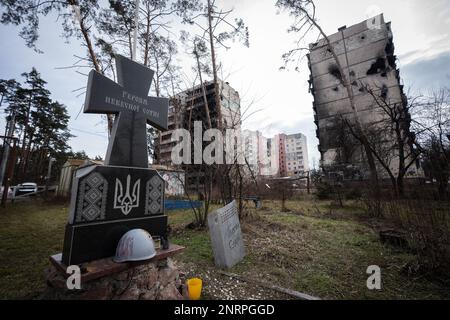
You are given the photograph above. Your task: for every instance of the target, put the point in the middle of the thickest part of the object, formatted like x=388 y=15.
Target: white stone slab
x=226 y=236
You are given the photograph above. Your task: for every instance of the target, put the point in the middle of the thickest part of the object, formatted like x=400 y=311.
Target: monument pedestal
x=108 y=201
x=154 y=279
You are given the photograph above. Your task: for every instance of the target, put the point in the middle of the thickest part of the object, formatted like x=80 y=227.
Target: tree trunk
x=308 y=182
x=241 y=213
x=39 y=163
x=205 y=99
x=401 y=158
x=27 y=156
x=400 y=186
x=87 y=39
x=442 y=188
x=373 y=169
x=157 y=76
x=147 y=38
x=24 y=141
x=394 y=186
x=283 y=198
x=214 y=67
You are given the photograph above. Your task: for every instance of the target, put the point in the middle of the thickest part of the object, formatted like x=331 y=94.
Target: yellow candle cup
x=194 y=288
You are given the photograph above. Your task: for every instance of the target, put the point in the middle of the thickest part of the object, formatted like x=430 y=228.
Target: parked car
x=25 y=188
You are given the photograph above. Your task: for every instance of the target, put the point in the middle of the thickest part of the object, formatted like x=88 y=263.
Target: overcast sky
x=421 y=35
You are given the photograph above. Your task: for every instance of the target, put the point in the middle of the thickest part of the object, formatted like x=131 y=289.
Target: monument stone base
x=108 y=201
x=154 y=279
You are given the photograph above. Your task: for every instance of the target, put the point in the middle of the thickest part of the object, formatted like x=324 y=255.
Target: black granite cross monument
x=124 y=194
x=128 y=99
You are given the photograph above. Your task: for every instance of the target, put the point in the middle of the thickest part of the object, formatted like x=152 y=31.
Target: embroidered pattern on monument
x=92 y=198
x=154 y=196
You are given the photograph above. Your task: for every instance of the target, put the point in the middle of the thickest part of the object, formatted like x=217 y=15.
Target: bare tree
x=342 y=139
x=434 y=120
x=78 y=18
x=104 y=27
x=217 y=30
x=390 y=138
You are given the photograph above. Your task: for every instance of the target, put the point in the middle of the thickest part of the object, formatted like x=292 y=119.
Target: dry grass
x=315 y=248
x=427 y=226
x=29 y=233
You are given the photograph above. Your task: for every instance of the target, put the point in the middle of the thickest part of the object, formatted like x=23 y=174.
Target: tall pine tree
x=40 y=124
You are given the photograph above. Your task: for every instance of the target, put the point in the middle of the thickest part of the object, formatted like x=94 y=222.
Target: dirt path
x=217 y=286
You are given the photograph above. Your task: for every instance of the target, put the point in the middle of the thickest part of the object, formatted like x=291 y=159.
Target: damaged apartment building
x=189 y=106
x=366 y=54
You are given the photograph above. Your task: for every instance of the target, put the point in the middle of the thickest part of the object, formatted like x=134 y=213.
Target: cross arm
x=105 y=96
x=99 y=95
x=158 y=114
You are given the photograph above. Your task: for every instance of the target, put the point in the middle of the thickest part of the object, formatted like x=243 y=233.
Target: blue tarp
x=181 y=204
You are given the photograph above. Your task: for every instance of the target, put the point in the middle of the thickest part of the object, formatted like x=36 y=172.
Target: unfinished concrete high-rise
x=188 y=107
x=366 y=53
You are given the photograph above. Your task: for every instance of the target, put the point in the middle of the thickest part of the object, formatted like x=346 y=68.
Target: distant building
x=251 y=153
x=273 y=152
x=189 y=106
x=283 y=155
x=256 y=152
x=164 y=144
x=296 y=159
x=280 y=140
x=366 y=53
x=67 y=172
x=174 y=178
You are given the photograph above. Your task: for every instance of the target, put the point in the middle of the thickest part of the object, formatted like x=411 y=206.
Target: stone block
x=226 y=236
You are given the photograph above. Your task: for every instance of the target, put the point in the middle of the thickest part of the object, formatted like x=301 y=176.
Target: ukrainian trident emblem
x=126 y=201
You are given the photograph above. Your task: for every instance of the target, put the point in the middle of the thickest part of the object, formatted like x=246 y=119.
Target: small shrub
x=353 y=194
x=324 y=191
x=373 y=207
x=427 y=224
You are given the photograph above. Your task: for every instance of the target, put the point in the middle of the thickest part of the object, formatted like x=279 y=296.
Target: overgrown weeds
x=427 y=225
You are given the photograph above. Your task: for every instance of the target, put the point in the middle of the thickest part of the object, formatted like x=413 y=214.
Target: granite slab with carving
x=124 y=194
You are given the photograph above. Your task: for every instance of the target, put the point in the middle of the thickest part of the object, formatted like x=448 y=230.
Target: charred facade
x=366 y=54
